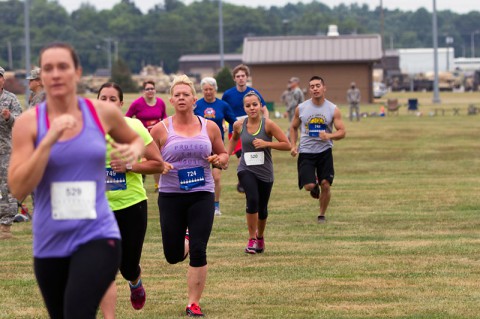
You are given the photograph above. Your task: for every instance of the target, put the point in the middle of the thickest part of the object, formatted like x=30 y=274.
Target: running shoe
x=23 y=215
x=315 y=192
x=321 y=219
x=217 y=211
x=137 y=295
x=252 y=246
x=240 y=188
x=260 y=247
x=194 y=310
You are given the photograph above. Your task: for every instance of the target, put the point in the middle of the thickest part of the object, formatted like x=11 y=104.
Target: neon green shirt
x=135 y=192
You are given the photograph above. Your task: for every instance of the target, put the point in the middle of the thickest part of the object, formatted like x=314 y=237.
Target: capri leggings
x=257 y=193
x=72 y=287
x=178 y=212
x=132 y=222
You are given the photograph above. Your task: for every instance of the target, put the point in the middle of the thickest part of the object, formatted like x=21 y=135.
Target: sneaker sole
x=251 y=252
x=315 y=193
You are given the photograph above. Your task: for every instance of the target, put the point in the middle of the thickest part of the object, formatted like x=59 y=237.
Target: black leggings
x=72 y=287
x=132 y=222
x=178 y=212
x=257 y=193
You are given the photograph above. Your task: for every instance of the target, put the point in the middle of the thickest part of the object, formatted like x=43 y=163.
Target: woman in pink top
x=148 y=108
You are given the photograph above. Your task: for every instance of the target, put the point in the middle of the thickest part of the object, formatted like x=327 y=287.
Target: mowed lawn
x=402 y=238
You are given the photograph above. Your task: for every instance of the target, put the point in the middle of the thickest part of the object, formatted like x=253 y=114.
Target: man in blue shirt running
x=234 y=97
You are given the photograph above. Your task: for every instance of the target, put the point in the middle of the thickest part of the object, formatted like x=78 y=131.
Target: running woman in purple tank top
x=59 y=150
x=186 y=186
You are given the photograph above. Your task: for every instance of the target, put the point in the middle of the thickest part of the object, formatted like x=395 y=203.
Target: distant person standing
x=37 y=94
x=10 y=109
x=316 y=119
x=285 y=99
x=234 y=98
x=296 y=97
x=353 y=99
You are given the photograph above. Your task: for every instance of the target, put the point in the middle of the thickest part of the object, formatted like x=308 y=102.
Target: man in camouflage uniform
x=37 y=94
x=9 y=109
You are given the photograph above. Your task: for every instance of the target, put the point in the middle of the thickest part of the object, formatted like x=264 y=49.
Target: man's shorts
x=313 y=165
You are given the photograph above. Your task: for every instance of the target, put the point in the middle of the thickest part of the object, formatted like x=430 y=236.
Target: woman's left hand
x=259 y=143
x=118 y=165
x=125 y=153
x=216 y=160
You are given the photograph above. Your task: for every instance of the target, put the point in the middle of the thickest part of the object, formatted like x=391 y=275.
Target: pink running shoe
x=260 y=247
x=194 y=310
x=137 y=295
x=251 y=247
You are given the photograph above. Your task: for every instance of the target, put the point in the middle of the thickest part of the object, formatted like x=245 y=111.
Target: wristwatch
x=128 y=167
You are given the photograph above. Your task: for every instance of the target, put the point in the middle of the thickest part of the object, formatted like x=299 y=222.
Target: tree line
x=171 y=29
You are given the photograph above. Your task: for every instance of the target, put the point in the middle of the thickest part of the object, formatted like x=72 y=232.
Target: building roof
x=307 y=49
x=209 y=57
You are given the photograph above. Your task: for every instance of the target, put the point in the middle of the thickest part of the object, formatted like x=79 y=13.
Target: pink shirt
x=148 y=115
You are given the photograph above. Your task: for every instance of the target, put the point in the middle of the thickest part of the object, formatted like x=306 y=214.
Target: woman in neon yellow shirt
x=128 y=200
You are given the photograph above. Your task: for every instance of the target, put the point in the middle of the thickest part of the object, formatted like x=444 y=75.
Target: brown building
x=202 y=65
x=338 y=59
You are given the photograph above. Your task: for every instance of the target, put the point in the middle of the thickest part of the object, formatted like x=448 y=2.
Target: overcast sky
x=459 y=6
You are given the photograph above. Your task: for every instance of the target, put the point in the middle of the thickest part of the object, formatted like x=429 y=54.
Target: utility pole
x=115 y=45
x=109 y=54
x=448 y=41
x=382 y=29
x=220 y=33
x=10 y=58
x=472 y=41
x=436 y=95
x=27 y=44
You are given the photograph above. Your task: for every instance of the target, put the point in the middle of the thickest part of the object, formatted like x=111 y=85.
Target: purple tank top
x=188 y=155
x=72 y=163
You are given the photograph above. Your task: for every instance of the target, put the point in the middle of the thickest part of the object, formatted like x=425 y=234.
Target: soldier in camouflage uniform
x=9 y=110
x=37 y=94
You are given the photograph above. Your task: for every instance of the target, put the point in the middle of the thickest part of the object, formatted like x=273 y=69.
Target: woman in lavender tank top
x=186 y=186
x=59 y=150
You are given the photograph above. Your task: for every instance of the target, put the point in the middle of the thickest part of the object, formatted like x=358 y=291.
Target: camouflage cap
x=34 y=74
x=2 y=71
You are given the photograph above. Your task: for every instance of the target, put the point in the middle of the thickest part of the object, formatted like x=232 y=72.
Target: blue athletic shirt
x=217 y=112
x=234 y=98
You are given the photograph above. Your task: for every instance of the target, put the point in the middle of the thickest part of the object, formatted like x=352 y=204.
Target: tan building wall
x=271 y=80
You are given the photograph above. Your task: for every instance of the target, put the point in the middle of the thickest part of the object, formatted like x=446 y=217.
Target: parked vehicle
x=379 y=90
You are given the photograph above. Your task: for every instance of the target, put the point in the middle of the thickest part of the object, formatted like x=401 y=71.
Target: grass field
x=402 y=238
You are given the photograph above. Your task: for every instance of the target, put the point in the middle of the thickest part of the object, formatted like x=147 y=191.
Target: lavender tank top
x=79 y=159
x=187 y=155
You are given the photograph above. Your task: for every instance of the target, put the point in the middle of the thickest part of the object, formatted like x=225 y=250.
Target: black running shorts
x=310 y=166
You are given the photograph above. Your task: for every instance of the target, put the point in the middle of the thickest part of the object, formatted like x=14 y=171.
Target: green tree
x=122 y=76
x=224 y=79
